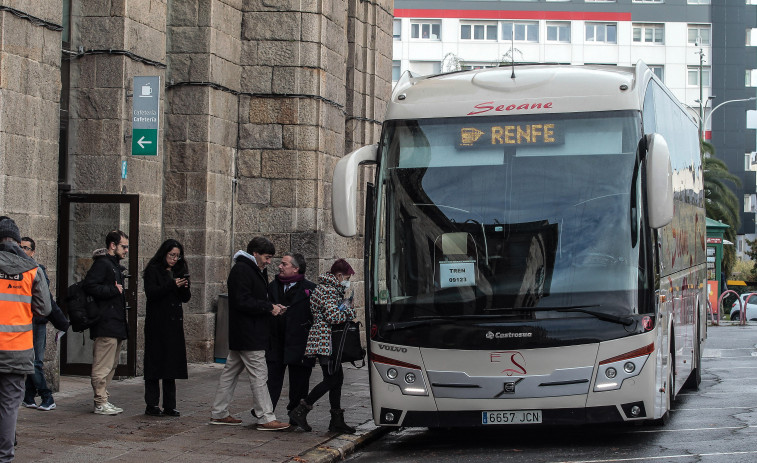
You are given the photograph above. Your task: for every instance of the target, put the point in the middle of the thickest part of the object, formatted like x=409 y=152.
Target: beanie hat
x=343 y=267
x=9 y=229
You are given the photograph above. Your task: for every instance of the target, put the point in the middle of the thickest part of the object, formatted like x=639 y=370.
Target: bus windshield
x=524 y=217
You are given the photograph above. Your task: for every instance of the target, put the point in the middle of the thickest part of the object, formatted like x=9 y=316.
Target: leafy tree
x=720 y=202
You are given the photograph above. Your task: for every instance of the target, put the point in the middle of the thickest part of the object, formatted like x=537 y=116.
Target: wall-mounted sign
x=145 y=116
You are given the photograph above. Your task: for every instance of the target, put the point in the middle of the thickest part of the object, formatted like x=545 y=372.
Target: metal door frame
x=64 y=240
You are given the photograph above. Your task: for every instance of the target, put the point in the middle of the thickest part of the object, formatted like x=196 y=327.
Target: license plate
x=511 y=417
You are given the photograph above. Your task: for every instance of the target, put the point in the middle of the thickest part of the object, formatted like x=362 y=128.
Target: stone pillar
x=201 y=143
x=116 y=43
x=30 y=61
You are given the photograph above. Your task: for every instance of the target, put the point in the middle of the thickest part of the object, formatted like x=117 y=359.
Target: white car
x=751 y=308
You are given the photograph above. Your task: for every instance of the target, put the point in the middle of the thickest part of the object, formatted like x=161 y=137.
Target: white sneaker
x=103 y=410
x=113 y=407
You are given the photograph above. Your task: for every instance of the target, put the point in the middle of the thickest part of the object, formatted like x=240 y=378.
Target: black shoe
x=337 y=423
x=299 y=416
x=152 y=410
x=171 y=412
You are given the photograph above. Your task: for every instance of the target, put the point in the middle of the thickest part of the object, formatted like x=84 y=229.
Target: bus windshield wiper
x=394 y=326
x=619 y=319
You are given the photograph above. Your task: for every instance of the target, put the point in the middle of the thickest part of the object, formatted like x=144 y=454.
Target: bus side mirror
x=659 y=182
x=344 y=189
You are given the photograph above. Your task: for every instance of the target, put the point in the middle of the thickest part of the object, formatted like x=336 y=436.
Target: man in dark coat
x=250 y=313
x=105 y=283
x=289 y=333
x=36 y=383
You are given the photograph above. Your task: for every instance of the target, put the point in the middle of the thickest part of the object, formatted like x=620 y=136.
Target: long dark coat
x=289 y=333
x=165 y=350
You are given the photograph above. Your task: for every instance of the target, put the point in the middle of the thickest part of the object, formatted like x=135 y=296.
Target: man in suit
x=289 y=333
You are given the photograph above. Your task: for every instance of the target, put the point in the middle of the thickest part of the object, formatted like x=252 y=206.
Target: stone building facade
x=260 y=99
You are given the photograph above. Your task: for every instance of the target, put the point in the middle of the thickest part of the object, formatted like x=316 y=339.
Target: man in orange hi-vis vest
x=23 y=291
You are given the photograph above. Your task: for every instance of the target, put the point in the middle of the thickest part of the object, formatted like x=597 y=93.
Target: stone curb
x=339 y=447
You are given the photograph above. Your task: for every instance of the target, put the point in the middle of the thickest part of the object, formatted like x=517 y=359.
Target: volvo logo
x=393 y=348
x=508 y=388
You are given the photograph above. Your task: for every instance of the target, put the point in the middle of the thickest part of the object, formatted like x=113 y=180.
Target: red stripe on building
x=505 y=14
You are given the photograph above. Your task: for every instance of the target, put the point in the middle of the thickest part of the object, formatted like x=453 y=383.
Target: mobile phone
x=186 y=276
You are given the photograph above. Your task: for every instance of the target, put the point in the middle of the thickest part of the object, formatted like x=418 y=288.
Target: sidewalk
x=72 y=433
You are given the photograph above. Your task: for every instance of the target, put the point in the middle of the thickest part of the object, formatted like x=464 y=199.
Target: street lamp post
x=704 y=123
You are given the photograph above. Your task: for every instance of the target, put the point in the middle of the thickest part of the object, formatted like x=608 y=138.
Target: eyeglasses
x=27 y=248
x=174 y=256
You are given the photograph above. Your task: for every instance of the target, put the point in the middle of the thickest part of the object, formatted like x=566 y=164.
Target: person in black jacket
x=166 y=280
x=105 y=283
x=289 y=333
x=250 y=313
x=36 y=383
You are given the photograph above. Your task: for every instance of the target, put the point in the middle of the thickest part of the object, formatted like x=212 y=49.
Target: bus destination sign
x=528 y=134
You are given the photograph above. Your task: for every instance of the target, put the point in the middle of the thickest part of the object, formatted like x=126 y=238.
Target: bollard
x=742 y=320
x=720 y=303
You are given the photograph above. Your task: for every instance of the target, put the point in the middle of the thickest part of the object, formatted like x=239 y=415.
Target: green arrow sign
x=144 y=142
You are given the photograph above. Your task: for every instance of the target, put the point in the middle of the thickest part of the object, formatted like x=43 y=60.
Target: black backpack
x=81 y=307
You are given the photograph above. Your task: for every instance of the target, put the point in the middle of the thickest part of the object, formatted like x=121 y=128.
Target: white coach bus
x=535 y=248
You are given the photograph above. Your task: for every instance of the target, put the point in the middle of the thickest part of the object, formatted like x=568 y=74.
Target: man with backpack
x=36 y=383
x=105 y=283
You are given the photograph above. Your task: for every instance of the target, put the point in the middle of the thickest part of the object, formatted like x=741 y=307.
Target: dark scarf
x=293 y=279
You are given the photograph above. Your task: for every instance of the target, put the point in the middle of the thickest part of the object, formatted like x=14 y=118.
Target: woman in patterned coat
x=324 y=304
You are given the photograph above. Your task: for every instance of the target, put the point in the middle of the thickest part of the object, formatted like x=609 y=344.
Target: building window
x=748 y=162
x=474 y=66
x=478 y=31
x=659 y=71
x=649 y=33
x=520 y=31
x=396 y=71
x=747 y=203
x=751 y=78
x=699 y=34
x=397 y=29
x=602 y=32
x=701 y=2
x=648 y=1
x=425 y=30
x=693 y=76
x=558 y=32
x=599 y=1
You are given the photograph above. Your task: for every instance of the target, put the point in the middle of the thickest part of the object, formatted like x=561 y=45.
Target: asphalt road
x=717 y=423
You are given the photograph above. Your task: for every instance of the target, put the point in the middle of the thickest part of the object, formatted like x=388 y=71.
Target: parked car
x=751 y=308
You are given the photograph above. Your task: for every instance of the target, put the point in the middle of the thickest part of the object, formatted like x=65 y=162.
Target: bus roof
x=536 y=89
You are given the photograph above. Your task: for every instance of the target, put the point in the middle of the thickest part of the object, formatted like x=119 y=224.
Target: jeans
x=36 y=383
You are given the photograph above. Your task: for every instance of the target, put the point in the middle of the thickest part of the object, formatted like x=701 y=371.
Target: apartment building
x=703 y=50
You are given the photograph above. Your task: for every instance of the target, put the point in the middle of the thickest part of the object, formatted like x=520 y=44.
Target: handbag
x=345 y=344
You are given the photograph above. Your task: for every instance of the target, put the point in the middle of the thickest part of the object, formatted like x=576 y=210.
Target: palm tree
x=720 y=202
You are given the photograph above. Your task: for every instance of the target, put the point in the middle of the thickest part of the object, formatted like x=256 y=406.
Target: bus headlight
x=613 y=371
x=395 y=371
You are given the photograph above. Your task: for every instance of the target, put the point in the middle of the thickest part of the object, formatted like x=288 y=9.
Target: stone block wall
x=30 y=63
x=259 y=100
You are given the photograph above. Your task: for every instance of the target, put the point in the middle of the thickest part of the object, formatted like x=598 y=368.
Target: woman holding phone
x=166 y=283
